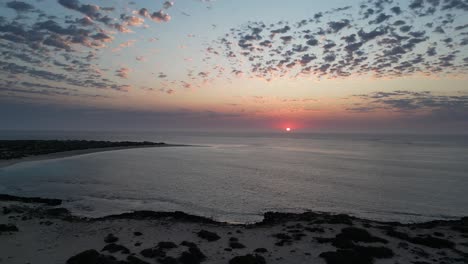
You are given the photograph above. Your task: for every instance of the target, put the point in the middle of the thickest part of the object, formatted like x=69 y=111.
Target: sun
x=288 y=129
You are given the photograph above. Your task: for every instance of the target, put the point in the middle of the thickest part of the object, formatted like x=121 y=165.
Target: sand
x=64 y=154
x=54 y=236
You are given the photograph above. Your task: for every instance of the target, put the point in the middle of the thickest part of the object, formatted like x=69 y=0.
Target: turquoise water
x=237 y=177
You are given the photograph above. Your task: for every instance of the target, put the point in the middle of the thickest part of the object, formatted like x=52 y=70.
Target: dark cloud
x=160 y=16
x=397 y=43
x=396 y=10
x=337 y=26
x=91 y=11
x=20 y=6
x=58 y=42
x=414 y=102
x=380 y=18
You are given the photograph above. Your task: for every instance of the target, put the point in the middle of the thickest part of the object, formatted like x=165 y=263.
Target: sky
x=335 y=65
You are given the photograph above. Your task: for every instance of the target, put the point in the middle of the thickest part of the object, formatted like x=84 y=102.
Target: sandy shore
x=64 y=154
x=39 y=231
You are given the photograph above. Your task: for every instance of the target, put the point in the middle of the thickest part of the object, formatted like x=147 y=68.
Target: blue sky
x=313 y=65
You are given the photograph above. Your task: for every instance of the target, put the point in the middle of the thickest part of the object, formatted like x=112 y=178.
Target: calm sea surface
x=237 y=177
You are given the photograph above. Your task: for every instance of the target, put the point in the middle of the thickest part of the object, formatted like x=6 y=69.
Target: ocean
x=236 y=177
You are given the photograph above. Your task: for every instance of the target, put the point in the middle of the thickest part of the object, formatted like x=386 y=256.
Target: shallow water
x=237 y=177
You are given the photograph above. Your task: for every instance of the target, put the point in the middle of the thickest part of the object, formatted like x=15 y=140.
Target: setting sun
x=288 y=129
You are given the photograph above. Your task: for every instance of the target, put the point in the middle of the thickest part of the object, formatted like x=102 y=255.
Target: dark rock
x=464 y=221
x=233 y=239
x=461 y=229
x=284 y=239
x=314 y=229
x=51 y=202
x=348 y=236
x=210 y=236
x=340 y=219
x=137 y=244
x=433 y=242
x=147 y=253
x=112 y=248
x=57 y=212
x=358 y=235
x=281 y=243
x=323 y=240
x=282 y=236
x=345 y=256
x=166 y=245
x=137 y=233
x=8 y=228
x=91 y=257
x=152 y=253
x=236 y=245
x=47 y=223
x=261 y=250
x=298 y=236
x=357 y=254
x=248 y=259
x=192 y=256
x=6 y=210
x=168 y=260
x=135 y=260
x=151 y=215
x=427 y=240
x=403 y=245
x=419 y=252
x=188 y=244
x=375 y=252
x=110 y=238
x=86 y=257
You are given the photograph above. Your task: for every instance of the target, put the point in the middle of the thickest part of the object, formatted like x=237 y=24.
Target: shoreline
x=270 y=217
x=39 y=230
x=71 y=153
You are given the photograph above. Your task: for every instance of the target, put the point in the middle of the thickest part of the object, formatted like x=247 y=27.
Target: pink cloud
x=123 y=72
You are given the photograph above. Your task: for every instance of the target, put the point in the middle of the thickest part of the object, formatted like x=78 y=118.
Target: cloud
x=123 y=72
x=91 y=11
x=58 y=42
x=20 y=6
x=160 y=16
x=168 y=4
x=377 y=37
x=102 y=37
x=411 y=102
x=337 y=26
x=133 y=20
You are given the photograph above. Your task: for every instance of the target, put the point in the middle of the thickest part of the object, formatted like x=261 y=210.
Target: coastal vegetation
x=16 y=149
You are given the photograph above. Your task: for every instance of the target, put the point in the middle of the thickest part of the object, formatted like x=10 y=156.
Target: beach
x=47 y=230
x=236 y=132
x=39 y=231
x=71 y=153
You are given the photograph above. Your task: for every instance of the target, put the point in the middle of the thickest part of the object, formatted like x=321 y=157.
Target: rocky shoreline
x=176 y=237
